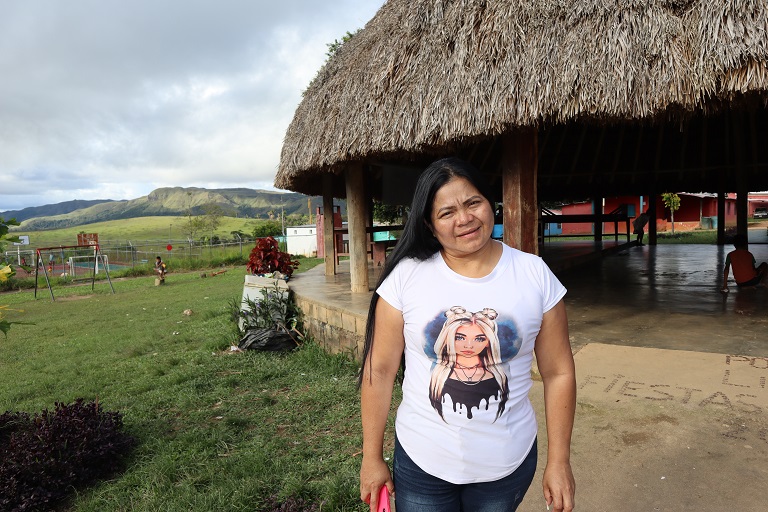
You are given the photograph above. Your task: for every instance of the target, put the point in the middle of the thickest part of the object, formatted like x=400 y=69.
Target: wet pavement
x=666 y=296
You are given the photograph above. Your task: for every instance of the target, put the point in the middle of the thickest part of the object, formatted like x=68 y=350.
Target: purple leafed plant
x=46 y=456
x=267 y=257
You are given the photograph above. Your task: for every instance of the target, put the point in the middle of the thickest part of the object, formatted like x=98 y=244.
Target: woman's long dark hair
x=417 y=240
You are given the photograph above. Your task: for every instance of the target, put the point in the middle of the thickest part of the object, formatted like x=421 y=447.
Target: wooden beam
x=519 y=168
x=328 y=235
x=721 y=212
x=754 y=166
x=356 y=220
x=703 y=150
x=652 y=205
x=742 y=189
x=597 y=210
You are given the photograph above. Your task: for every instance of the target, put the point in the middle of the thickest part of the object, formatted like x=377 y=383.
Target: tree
x=296 y=219
x=5 y=226
x=267 y=228
x=671 y=201
x=6 y=271
x=388 y=213
x=212 y=214
x=192 y=225
x=202 y=220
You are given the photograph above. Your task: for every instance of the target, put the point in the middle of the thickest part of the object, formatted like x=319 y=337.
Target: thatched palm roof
x=425 y=74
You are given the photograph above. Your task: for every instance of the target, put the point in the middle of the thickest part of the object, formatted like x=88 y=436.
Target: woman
x=468 y=350
x=485 y=462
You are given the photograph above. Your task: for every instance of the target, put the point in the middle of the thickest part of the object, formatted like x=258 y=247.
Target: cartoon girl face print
x=469 y=341
x=468 y=352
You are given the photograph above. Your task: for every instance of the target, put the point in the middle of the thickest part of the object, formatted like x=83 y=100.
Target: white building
x=302 y=240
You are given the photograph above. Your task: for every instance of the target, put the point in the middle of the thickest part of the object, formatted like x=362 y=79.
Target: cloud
x=112 y=99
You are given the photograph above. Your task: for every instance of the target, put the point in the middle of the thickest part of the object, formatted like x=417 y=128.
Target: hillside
x=51 y=209
x=141 y=230
x=175 y=201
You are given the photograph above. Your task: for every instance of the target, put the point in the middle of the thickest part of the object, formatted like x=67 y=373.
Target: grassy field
x=217 y=430
x=140 y=228
x=697 y=236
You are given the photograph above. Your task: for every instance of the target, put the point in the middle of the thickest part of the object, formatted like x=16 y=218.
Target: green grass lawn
x=216 y=430
x=139 y=228
x=696 y=236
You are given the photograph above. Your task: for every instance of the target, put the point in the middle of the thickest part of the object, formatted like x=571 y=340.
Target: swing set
x=95 y=255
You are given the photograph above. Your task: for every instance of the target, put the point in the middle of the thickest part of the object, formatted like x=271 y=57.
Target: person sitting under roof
x=745 y=270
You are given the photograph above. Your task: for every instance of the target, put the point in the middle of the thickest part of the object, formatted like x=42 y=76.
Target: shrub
x=269 y=323
x=267 y=257
x=44 y=457
x=274 y=310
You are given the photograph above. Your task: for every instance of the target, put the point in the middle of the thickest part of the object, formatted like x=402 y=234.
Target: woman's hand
x=559 y=487
x=374 y=473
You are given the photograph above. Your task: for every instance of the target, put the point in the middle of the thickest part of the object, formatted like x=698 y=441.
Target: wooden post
x=721 y=211
x=329 y=237
x=742 y=189
x=519 y=170
x=356 y=220
x=652 y=205
x=597 y=211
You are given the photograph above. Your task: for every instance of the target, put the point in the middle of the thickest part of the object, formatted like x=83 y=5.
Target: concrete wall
x=301 y=240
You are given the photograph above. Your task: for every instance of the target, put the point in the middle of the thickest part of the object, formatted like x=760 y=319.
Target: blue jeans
x=417 y=491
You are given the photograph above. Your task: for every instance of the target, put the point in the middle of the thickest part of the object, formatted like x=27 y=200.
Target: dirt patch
x=635 y=438
x=74 y=297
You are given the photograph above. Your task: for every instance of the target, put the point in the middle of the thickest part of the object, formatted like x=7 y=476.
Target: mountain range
x=171 y=201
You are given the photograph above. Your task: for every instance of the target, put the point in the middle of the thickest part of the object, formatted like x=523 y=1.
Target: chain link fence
x=133 y=253
x=123 y=254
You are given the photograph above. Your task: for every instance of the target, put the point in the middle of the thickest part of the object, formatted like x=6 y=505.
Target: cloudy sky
x=111 y=99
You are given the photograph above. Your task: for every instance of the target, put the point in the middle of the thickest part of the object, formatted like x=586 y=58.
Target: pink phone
x=384 y=500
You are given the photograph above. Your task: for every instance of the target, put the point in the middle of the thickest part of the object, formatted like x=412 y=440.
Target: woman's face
x=462 y=219
x=470 y=340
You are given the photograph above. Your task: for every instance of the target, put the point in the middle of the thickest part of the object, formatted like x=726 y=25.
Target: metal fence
x=132 y=253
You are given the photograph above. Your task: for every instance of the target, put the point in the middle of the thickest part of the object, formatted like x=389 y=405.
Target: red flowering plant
x=267 y=258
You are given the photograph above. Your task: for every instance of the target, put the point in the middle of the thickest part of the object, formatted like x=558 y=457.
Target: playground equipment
x=93 y=255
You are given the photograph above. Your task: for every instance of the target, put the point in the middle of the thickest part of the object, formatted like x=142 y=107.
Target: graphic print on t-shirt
x=467 y=349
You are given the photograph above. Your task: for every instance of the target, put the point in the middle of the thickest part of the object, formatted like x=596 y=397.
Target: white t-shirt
x=455 y=421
